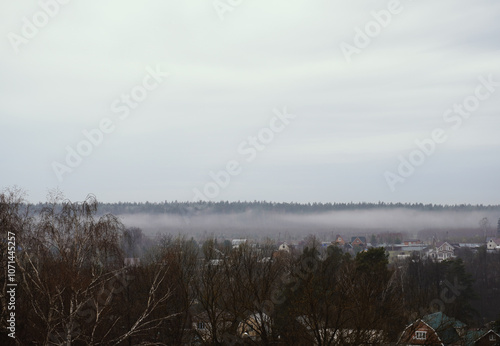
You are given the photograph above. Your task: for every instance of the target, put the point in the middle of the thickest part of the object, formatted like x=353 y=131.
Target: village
x=437 y=250
x=434 y=328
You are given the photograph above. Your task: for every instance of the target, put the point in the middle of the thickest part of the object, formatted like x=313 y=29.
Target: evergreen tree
x=458 y=290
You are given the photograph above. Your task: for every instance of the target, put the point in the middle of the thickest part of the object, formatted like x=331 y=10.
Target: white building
x=284 y=247
x=493 y=243
x=237 y=242
x=442 y=251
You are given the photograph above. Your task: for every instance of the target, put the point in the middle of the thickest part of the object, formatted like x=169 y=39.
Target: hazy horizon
x=254 y=224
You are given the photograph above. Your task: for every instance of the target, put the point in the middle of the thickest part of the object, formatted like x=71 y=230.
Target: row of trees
x=193 y=208
x=75 y=289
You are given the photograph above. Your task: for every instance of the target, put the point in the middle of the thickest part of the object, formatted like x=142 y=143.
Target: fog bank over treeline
x=261 y=219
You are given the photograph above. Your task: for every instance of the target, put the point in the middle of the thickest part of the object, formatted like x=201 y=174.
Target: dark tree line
x=195 y=208
x=431 y=286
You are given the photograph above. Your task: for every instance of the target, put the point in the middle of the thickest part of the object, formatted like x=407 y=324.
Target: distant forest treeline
x=226 y=207
x=297 y=219
x=176 y=207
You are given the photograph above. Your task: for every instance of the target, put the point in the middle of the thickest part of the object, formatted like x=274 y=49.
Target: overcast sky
x=358 y=94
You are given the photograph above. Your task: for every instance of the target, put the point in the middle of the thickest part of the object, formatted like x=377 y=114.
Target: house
x=439 y=329
x=284 y=247
x=433 y=329
x=482 y=337
x=343 y=243
x=339 y=240
x=403 y=255
x=471 y=246
x=254 y=326
x=493 y=243
x=488 y=338
x=358 y=241
x=203 y=327
x=237 y=242
x=442 y=251
x=412 y=242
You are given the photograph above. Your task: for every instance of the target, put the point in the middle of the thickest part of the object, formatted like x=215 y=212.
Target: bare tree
x=316 y=296
x=209 y=288
x=72 y=278
x=252 y=275
x=180 y=256
x=15 y=220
